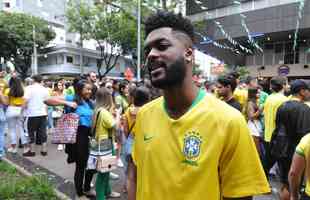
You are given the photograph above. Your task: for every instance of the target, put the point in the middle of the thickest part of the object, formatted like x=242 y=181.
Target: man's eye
x=162 y=47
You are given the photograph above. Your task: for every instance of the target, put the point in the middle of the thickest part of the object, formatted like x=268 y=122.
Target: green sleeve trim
x=300 y=152
x=199 y=97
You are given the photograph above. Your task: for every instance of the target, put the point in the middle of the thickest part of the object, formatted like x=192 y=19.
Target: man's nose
x=154 y=53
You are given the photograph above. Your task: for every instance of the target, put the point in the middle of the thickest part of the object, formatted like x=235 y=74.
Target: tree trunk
x=99 y=65
x=164 y=4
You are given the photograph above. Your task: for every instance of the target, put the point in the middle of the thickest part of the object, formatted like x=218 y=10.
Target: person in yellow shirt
x=188 y=145
x=15 y=101
x=3 y=86
x=140 y=96
x=273 y=102
x=104 y=125
x=300 y=165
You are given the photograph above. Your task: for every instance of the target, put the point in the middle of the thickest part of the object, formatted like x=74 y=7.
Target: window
x=59 y=59
x=7 y=5
x=291 y=56
x=69 y=59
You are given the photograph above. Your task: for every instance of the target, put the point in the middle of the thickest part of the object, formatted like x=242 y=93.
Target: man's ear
x=189 y=55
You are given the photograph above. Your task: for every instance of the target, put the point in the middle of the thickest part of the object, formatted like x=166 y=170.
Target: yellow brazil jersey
x=14 y=101
x=273 y=102
x=208 y=153
x=241 y=95
x=303 y=149
x=130 y=116
x=104 y=123
x=3 y=85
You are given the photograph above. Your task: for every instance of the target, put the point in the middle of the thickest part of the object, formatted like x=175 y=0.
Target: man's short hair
x=234 y=74
x=277 y=83
x=37 y=78
x=248 y=79
x=228 y=80
x=177 y=22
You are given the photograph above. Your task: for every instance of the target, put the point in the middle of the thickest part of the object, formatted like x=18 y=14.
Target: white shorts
x=255 y=127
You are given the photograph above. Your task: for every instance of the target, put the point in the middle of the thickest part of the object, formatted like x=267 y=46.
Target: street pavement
x=56 y=163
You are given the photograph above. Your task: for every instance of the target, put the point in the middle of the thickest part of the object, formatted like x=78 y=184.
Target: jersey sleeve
x=240 y=171
x=6 y=92
x=303 y=146
x=138 y=139
x=107 y=119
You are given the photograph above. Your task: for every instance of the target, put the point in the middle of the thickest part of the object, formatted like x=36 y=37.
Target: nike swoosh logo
x=147 y=138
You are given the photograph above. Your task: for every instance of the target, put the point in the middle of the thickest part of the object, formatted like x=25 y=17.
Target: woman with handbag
x=103 y=127
x=253 y=116
x=79 y=152
x=15 y=101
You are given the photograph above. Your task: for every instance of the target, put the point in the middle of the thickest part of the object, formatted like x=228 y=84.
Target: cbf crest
x=192 y=147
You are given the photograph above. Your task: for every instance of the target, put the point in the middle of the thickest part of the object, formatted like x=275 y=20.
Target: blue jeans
x=2 y=142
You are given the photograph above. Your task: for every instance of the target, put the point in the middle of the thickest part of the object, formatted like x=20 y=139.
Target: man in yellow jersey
x=273 y=102
x=300 y=166
x=188 y=144
x=292 y=121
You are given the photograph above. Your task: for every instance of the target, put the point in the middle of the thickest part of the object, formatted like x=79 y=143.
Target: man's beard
x=174 y=75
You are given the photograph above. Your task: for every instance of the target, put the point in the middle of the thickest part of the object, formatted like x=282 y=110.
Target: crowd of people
x=218 y=140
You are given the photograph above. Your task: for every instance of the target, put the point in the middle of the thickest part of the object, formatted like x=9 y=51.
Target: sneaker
x=43 y=153
x=29 y=154
x=114 y=176
x=91 y=193
x=120 y=163
x=114 y=195
x=81 y=198
x=12 y=150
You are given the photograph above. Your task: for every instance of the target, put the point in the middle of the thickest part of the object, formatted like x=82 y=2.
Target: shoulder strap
x=95 y=127
x=130 y=129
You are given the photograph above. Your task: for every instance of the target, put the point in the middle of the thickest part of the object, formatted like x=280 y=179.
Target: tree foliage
x=113 y=25
x=17 y=41
x=113 y=29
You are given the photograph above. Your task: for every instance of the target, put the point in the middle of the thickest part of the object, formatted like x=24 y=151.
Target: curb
x=26 y=173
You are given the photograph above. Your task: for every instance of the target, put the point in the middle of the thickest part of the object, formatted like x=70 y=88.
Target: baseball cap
x=298 y=85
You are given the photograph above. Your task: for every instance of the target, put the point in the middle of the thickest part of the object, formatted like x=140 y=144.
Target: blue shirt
x=84 y=111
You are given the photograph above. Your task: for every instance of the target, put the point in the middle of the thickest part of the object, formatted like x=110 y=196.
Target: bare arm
x=252 y=115
x=295 y=174
x=59 y=101
x=132 y=180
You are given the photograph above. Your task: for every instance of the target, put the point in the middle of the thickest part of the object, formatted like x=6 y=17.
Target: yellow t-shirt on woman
x=104 y=123
x=14 y=101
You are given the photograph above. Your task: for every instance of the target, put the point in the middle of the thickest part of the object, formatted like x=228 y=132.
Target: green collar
x=201 y=94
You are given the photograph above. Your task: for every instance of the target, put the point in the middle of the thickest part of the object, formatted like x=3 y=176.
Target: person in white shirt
x=36 y=111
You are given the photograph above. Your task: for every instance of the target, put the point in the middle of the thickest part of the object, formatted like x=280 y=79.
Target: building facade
x=63 y=55
x=269 y=37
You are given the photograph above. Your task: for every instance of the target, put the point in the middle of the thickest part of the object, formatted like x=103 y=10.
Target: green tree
x=115 y=34
x=111 y=27
x=17 y=41
x=79 y=15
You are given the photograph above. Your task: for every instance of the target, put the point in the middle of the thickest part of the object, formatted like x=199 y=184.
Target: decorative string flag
x=300 y=14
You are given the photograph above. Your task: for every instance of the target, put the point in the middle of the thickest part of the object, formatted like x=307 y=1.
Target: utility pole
x=35 y=54
x=139 y=43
